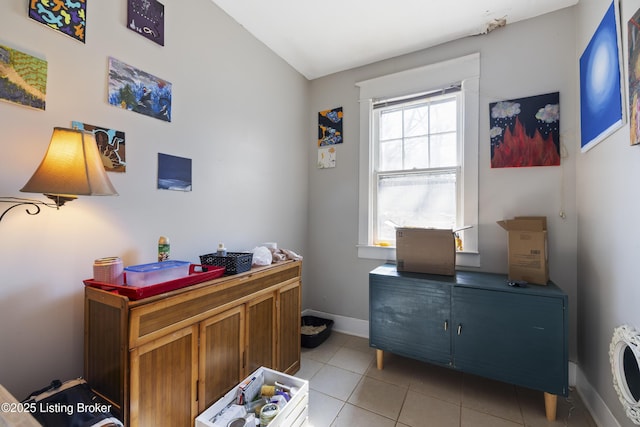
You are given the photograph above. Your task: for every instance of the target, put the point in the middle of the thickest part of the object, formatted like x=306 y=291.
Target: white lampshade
x=72 y=167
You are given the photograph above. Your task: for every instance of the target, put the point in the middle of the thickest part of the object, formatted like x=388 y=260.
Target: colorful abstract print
x=23 y=78
x=66 y=16
x=330 y=127
x=136 y=90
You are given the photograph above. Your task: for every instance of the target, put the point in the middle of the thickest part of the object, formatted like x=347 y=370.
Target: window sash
x=381 y=232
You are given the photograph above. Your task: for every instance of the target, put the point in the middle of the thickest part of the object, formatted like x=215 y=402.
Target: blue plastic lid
x=156 y=266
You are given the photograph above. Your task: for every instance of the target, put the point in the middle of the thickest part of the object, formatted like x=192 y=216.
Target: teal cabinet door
x=512 y=336
x=410 y=317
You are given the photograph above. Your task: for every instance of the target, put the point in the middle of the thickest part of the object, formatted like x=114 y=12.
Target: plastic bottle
x=222 y=251
x=163 y=248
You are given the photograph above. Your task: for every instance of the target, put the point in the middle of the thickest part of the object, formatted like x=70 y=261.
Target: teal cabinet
x=402 y=310
x=474 y=322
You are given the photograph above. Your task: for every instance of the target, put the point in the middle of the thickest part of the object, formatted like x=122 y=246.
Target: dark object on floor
x=321 y=330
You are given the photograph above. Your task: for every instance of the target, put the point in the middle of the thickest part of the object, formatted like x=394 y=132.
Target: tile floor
x=347 y=390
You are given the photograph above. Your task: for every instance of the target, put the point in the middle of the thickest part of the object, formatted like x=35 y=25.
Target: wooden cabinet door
x=164 y=375
x=513 y=337
x=221 y=355
x=410 y=317
x=288 y=347
x=261 y=333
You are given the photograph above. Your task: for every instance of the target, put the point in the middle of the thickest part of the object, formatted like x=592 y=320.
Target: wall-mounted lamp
x=71 y=167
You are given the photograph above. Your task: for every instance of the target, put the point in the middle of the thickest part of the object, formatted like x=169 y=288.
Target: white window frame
x=465 y=71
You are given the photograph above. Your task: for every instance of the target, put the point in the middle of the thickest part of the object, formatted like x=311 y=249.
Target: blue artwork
x=600 y=84
x=138 y=91
x=174 y=173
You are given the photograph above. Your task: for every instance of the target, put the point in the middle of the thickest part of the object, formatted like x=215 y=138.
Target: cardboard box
x=527 y=249
x=294 y=414
x=425 y=250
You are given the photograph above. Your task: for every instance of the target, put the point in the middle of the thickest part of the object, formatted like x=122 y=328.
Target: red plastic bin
x=135 y=293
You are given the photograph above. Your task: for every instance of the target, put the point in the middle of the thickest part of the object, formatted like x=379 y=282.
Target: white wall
x=523 y=59
x=239 y=112
x=608 y=231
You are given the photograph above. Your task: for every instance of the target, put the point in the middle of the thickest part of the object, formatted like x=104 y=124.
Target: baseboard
x=597 y=407
x=346 y=325
x=592 y=400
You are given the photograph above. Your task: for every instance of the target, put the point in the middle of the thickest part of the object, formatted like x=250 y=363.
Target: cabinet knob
x=446 y=325
x=459 y=328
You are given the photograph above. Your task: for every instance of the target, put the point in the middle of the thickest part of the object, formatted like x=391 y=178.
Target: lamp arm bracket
x=29 y=203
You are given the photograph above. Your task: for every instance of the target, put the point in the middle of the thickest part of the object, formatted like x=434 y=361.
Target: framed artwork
x=23 y=78
x=111 y=144
x=633 y=27
x=68 y=17
x=525 y=131
x=136 y=90
x=601 y=105
x=330 y=127
x=326 y=157
x=146 y=17
x=174 y=173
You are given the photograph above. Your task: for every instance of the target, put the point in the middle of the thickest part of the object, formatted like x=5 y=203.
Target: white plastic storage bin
x=156 y=272
x=294 y=414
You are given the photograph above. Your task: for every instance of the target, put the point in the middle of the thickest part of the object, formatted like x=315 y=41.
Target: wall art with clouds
x=525 y=131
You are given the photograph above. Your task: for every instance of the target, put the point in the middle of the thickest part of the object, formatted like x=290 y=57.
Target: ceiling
x=318 y=38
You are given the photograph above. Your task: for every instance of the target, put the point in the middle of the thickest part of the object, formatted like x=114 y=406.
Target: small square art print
x=174 y=173
x=525 y=131
x=68 y=16
x=146 y=17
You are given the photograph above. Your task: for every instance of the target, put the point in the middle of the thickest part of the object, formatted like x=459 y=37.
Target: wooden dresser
x=164 y=359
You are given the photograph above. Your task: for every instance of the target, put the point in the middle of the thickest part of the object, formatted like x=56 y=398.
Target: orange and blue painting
x=634 y=77
x=111 y=145
x=330 y=127
x=23 y=78
x=525 y=131
x=66 y=16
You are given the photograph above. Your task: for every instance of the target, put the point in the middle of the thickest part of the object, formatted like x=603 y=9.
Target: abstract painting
x=601 y=111
x=174 y=173
x=330 y=127
x=146 y=17
x=525 y=131
x=326 y=157
x=634 y=77
x=23 y=78
x=111 y=145
x=138 y=91
x=67 y=16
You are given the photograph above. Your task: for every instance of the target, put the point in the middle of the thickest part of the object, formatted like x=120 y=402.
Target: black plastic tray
x=312 y=341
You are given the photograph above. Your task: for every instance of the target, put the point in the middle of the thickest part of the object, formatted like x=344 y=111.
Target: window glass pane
x=443 y=116
x=390 y=155
x=390 y=124
x=417 y=200
x=443 y=150
x=416 y=121
x=416 y=153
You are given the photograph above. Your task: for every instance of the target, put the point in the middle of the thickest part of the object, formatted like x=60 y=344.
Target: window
x=416 y=163
x=419 y=155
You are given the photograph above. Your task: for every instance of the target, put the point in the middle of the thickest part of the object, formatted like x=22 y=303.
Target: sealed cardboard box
x=527 y=249
x=425 y=250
